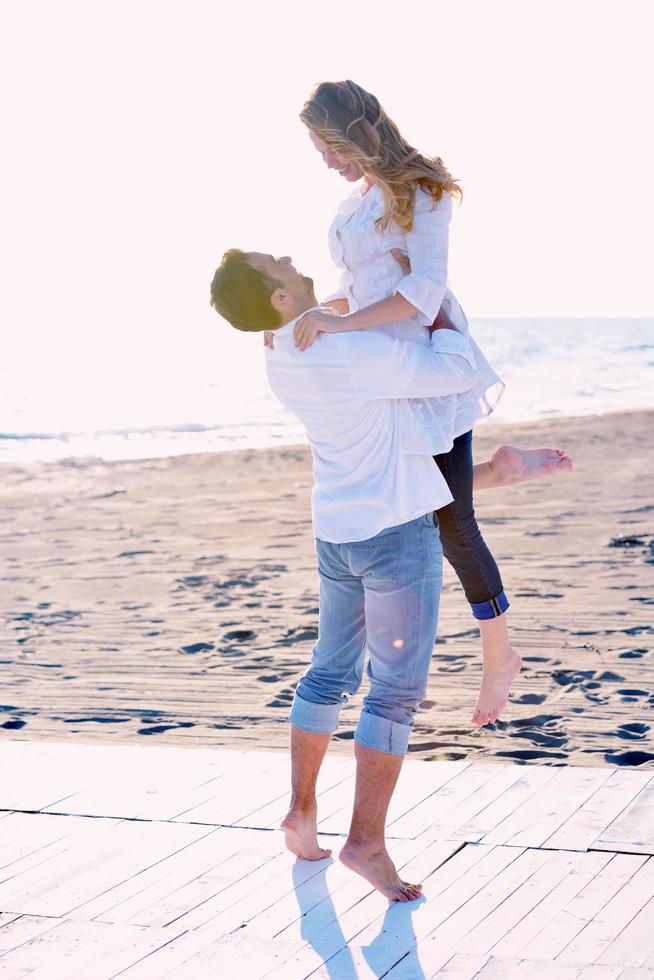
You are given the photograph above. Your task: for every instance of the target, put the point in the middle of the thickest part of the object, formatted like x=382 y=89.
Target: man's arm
x=381 y=367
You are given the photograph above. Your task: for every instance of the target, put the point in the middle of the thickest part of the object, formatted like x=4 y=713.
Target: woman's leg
x=467 y=552
x=509 y=465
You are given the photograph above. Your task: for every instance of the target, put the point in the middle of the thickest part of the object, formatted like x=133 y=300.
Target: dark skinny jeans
x=463 y=545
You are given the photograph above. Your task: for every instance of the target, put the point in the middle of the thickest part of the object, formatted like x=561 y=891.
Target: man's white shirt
x=349 y=391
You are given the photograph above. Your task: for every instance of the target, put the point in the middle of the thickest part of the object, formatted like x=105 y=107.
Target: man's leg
x=299 y=825
x=402 y=578
x=336 y=670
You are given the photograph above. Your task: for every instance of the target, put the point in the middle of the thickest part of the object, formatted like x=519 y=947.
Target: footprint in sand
x=159 y=729
x=197 y=648
x=632 y=758
x=634 y=730
x=529 y=699
x=283 y=699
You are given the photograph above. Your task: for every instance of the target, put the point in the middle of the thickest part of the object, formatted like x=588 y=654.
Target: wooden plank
x=92 y=866
x=21 y=929
x=252 y=891
x=344 y=908
x=602 y=809
x=36 y=781
x=531 y=781
x=234 y=957
x=235 y=796
x=25 y=834
x=452 y=884
x=465 y=966
x=560 y=931
x=442 y=926
x=539 y=917
x=34 y=865
x=525 y=898
x=590 y=944
x=432 y=810
x=203 y=897
x=450 y=824
x=634 y=945
x=132 y=899
x=188 y=789
x=7 y=917
x=71 y=948
x=121 y=950
x=633 y=830
x=132 y=790
x=540 y=816
x=336 y=882
x=239 y=897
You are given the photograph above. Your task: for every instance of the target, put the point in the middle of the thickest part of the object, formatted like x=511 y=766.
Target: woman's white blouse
x=369 y=273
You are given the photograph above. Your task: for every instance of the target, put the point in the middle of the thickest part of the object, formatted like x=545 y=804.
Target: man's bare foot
x=513 y=465
x=302 y=836
x=378 y=869
x=496 y=682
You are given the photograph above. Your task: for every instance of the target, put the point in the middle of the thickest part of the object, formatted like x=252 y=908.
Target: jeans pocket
x=378 y=561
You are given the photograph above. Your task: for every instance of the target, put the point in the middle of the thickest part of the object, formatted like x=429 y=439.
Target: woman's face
x=348 y=169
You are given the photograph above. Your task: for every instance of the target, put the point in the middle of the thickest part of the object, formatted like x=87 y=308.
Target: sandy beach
x=175 y=601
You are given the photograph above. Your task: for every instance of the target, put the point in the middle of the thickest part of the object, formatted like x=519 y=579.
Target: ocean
x=214 y=396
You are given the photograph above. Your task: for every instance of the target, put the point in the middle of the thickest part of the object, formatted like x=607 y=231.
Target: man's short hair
x=241 y=294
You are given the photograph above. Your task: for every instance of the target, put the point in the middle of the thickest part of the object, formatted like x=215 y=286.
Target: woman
x=402 y=207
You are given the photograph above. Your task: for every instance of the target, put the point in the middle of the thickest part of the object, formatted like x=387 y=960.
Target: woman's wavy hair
x=352 y=123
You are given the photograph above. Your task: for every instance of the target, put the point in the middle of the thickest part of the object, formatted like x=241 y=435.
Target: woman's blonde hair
x=352 y=122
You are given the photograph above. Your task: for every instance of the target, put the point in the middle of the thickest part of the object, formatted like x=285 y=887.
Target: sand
x=175 y=601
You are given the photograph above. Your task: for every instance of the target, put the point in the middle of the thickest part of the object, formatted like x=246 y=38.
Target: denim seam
x=423 y=598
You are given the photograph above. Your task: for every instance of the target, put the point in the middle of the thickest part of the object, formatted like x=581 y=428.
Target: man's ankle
x=370 y=844
x=303 y=806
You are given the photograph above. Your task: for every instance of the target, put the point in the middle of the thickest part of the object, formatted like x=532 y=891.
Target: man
x=379 y=553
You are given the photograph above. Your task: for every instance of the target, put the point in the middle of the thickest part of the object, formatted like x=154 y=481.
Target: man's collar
x=287 y=329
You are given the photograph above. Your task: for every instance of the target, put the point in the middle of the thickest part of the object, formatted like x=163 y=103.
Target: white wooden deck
x=160 y=862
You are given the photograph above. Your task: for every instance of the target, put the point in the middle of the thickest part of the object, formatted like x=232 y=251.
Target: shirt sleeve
x=381 y=367
x=339 y=292
x=427 y=248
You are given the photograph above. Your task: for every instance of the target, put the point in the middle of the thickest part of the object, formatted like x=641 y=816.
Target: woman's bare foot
x=378 y=869
x=496 y=681
x=513 y=465
x=302 y=836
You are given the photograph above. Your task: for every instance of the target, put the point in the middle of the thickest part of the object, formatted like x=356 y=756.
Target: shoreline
x=174 y=601
x=482 y=427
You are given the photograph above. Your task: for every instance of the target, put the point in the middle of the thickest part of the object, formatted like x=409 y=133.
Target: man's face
x=282 y=270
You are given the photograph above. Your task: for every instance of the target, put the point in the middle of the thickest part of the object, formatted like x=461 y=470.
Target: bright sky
x=144 y=137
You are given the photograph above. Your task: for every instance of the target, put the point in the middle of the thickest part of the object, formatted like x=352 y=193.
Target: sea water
x=214 y=396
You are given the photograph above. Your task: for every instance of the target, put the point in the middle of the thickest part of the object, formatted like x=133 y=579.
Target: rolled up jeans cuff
x=321 y=719
x=382 y=734
x=491 y=608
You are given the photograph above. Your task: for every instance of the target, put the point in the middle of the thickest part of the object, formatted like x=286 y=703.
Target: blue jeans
x=463 y=545
x=379 y=595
